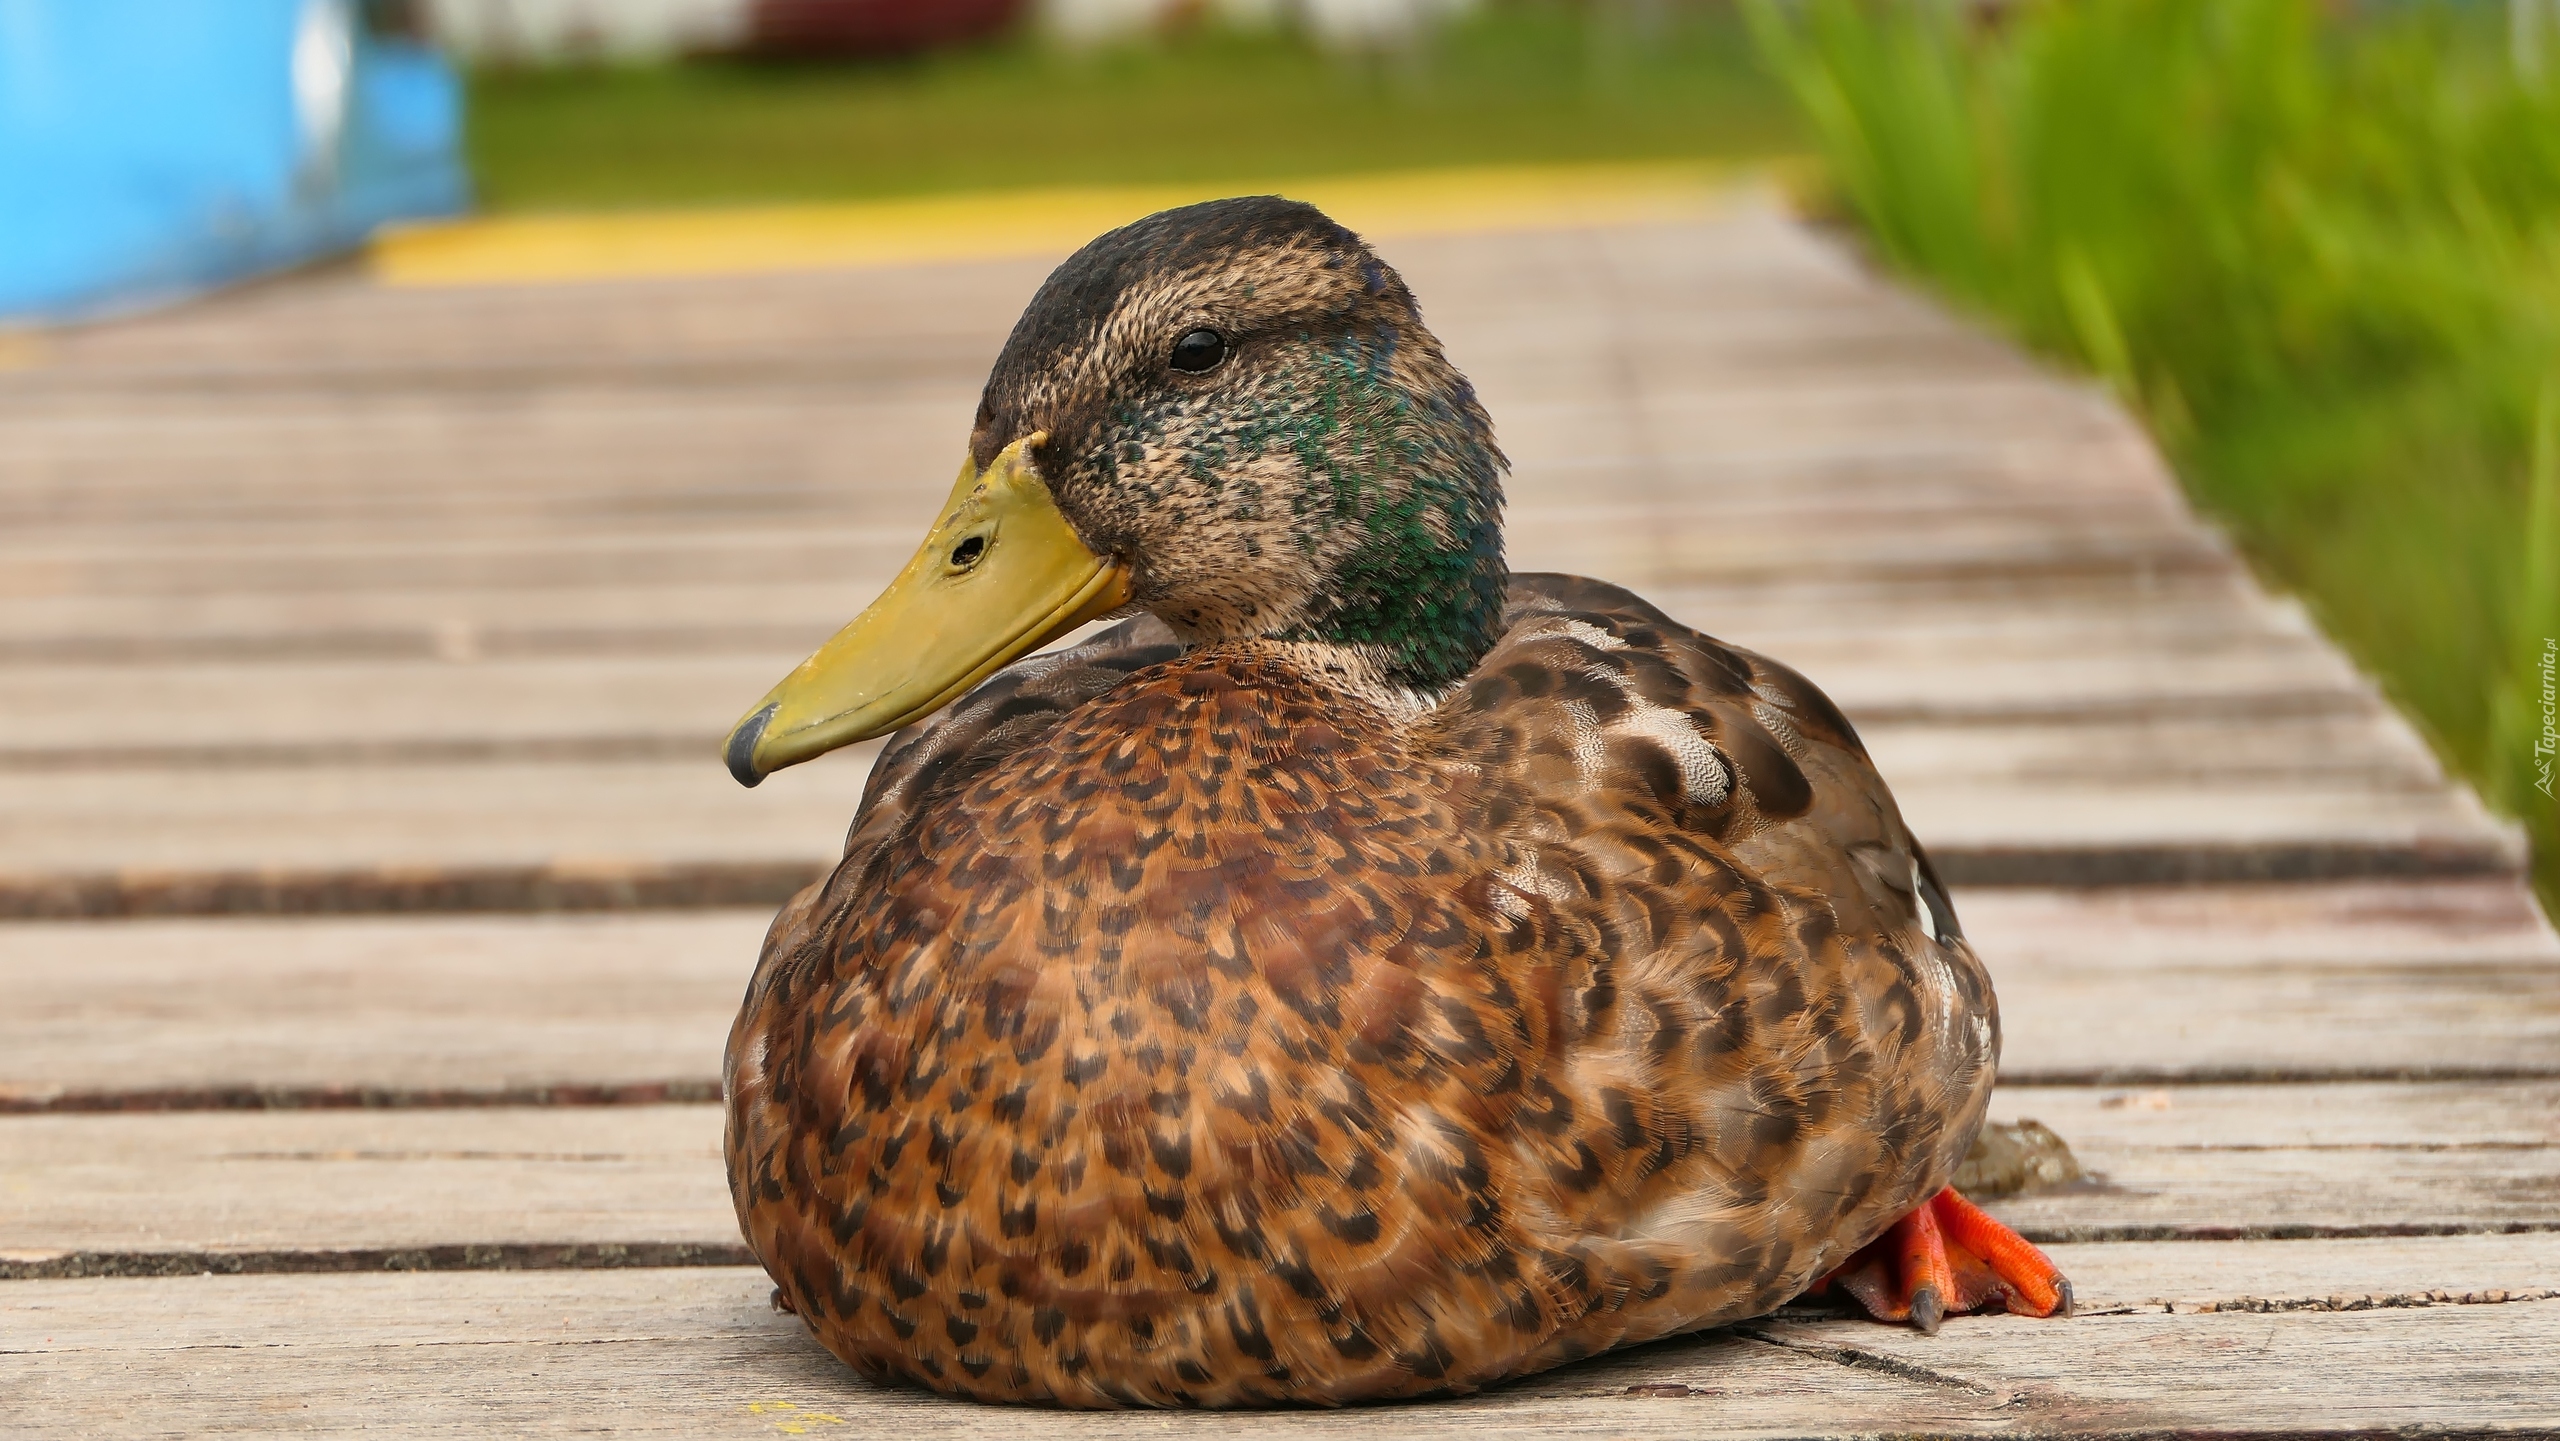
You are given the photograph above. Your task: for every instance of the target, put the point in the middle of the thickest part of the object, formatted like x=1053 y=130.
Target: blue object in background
x=150 y=148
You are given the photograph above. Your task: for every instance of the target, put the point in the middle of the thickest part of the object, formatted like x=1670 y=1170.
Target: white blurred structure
x=544 y=31
x=1337 y=22
x=536 y=32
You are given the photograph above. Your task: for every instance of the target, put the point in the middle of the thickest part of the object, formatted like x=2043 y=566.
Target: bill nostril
x=966 y=553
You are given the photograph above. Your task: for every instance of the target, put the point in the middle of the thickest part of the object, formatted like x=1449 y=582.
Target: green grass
x=2320 y=255
x=1517 y=82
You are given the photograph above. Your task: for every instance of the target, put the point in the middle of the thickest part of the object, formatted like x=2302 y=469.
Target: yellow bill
x=1000 y=574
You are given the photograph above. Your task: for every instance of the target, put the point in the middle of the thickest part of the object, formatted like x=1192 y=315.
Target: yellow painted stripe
x=1022 y=223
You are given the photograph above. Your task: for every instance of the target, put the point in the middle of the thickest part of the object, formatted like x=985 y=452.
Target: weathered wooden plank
x=1545 y=367
x=1861 y=621
x=677 y=616
x=521 y=808
x=568 y=488
x=62 y=707
x=864 y=530
x=2087 y=835
x=2373 y=978
x=698 y=1352
x=2136 y=1128
x=1858 y=619
x=2233 y=927
x=331 y=321
x=2211 y=1161
x=1549 y=356
x=206 y=1012
x=2486 y=1368
x=2332 y=1274
x=1764 y=283
x=501 y=1304
x=2123 y=986
x=2049 y=825
x=141 y=1186
x=103 y=1192
x=782 y=455
x=564 y=886
x=626 y=457
x=2348 y=749
x=1633 y=545
x=356 y=765
x=560 y=443
x=413 y=881
x=58 y=707
x=194 y=801
x=1794 y=339
x=805 y=444
x=563 y=436
x=2129 y=1024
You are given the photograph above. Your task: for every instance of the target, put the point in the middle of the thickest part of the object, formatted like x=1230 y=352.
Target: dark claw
x=1927 y=1310
x=782 y=1303
x=2062 y=1308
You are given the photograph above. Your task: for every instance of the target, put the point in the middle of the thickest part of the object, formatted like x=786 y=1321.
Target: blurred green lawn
x=1515 y=83
x=2316 y=246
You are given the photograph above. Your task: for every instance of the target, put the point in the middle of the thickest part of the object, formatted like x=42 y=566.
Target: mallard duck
x=1363 y=971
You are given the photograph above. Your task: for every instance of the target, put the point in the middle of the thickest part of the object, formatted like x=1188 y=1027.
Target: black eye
x=966 y=553
x=1198 y=351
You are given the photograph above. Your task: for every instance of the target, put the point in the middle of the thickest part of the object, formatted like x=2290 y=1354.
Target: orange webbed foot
x=1947 y=1258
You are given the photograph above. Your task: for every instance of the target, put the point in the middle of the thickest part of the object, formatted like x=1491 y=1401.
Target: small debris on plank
x=2013 y=1157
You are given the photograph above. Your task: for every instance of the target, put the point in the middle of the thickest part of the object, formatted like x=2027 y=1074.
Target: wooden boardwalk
x=375 y=905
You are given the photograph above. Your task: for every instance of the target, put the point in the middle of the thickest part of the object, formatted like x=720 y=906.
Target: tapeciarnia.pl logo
x=2548 y=742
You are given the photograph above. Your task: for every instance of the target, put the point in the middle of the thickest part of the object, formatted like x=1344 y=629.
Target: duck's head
x=1230 y=415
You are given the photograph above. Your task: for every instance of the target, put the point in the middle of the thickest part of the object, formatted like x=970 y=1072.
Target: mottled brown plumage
x=1235 y=1012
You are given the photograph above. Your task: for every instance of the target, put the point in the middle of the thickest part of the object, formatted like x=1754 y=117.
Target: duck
x=1357 y=972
